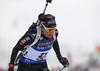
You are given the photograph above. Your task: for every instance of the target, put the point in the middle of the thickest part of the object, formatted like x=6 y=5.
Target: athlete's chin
x=49 y=36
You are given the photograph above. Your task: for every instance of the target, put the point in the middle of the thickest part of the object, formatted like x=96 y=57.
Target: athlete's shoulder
x=32 y=30
x=32 y=33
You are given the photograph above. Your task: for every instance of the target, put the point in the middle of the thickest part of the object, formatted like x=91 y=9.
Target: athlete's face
x=48 y=33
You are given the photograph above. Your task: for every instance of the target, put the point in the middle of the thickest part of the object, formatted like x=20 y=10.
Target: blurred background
x=78 y=23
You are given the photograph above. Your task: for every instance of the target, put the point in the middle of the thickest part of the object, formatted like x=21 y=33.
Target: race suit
x=34 y=57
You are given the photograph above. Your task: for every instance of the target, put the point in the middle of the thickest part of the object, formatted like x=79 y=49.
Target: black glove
x=11 y=69
x=49 y=1
x=63 y=61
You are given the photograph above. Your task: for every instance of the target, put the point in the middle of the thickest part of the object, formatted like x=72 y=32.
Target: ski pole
x=63 y=68
x=47 y=1
x=38 y=22
x=45 y=7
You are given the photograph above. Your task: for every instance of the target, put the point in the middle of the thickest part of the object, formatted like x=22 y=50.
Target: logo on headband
x=51 y=22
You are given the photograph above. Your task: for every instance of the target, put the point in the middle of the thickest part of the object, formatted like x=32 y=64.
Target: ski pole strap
x=11 y=65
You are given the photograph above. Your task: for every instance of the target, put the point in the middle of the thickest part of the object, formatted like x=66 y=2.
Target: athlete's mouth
x=50 y=35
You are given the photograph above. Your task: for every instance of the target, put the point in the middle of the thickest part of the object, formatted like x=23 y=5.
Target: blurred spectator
x=77 y=68
x=1 y=69
x=53 y=69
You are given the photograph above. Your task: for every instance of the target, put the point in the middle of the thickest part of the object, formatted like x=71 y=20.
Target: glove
x=11 y=67
x=63 y=61
x=49 y=1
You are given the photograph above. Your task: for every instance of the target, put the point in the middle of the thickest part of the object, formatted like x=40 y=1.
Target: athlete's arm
x=56 y=48
x=61 y=59
x=56 y=45
x=26 y=39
